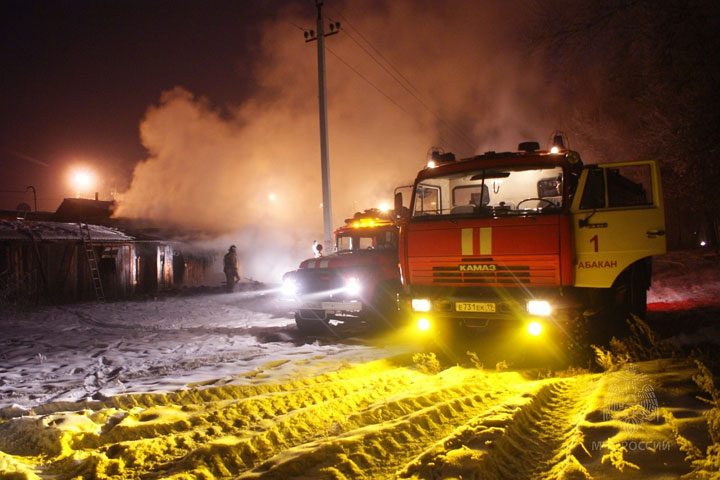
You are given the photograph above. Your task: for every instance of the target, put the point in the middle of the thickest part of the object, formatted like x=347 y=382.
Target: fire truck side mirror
x=398 y=203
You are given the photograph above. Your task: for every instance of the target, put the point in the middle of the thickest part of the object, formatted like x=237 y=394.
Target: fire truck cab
x=532 y=236
x=358 y=282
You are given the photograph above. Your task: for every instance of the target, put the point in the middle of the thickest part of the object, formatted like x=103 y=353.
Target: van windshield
x=491 y=192
x=367 y=240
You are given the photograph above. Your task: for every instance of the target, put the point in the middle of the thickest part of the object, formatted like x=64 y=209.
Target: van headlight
x=353 y=286
x=289 y=287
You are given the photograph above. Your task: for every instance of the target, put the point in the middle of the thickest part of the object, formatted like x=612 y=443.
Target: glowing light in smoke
x=384 y=207
x=271 y=196
x=82 y=180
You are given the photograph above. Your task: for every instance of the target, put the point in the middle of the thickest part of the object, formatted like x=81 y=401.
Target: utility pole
x=311 y=36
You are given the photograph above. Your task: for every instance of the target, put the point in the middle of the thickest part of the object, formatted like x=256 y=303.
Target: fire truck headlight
x=540 y=308
x=421 y=304
x=534 y=328
x=423 y=324
x=290 y=287
x=353 y=286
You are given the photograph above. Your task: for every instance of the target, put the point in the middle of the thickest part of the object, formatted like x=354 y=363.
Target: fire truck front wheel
x=312 y=326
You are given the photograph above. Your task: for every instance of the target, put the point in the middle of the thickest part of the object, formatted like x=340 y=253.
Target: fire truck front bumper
x=536 y=315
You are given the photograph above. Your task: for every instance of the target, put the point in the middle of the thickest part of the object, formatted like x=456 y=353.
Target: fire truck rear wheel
x=312 y=326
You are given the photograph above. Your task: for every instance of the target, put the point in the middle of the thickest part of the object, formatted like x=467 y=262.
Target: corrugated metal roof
x=24 y=229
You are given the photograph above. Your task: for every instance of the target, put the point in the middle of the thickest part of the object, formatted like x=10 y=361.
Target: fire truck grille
x=489 y=272
x=515 y=274
x=317 y=283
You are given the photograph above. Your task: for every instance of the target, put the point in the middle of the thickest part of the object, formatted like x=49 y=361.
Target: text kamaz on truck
x=532 y=239
x=359 y=282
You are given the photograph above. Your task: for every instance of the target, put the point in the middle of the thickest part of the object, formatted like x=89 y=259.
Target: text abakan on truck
x=359 y=282
x=532 y=240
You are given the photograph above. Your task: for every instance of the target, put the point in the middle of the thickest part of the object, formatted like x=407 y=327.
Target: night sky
x=79 y=75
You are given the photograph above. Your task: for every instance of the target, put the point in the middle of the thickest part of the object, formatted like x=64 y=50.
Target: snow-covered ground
x=222 y=385
x=685 y=279
x=93 y=350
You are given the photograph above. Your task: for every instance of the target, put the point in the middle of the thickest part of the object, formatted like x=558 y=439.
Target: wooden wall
x=57 y=272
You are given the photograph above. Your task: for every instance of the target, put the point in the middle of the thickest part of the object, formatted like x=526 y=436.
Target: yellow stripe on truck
x=466 y=235
x=485 y=241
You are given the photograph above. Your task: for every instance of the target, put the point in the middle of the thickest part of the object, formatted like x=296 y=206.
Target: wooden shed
x=43 y=261
x=163 y=264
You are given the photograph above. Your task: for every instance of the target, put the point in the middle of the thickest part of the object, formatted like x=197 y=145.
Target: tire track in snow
x=240 y=435
x=377 y=441
x=530 y=438
x=380 y=419
x=541 y=437
x=220 y=431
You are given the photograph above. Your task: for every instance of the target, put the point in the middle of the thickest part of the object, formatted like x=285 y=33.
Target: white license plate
x=475 y=307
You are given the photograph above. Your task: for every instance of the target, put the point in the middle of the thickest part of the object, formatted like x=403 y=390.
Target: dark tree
x=642 y=80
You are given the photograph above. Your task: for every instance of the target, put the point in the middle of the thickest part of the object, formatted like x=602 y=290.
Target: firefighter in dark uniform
x=231 y=268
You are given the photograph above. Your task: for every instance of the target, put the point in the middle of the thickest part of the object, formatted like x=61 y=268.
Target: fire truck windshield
x=490 y=192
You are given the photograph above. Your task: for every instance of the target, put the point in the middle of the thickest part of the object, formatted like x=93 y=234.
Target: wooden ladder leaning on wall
x=92 y=261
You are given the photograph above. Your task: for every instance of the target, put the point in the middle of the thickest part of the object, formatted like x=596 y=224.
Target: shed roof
x=23 y=230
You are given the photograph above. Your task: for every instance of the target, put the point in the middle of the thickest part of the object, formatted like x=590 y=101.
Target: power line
x=379 y=90
x=296 y=26
x=25 y=157
x=454 y=129
x=344 y=18
x=366 y=79
x=406 y=85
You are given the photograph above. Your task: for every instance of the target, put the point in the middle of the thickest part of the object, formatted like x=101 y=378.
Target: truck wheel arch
x=633 y=283
x=638 y=271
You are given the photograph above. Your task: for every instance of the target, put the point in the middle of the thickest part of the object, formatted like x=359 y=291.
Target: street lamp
x=83 y=180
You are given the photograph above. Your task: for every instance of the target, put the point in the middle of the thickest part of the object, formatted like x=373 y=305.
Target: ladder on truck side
x=92 y=261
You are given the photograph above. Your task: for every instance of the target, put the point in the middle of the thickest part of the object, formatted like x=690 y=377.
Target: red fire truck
x=532 y=239
x=358 y=282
